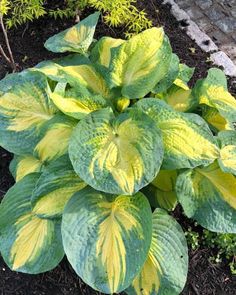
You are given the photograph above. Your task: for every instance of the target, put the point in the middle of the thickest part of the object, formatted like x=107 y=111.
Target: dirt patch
x=206 y=278
x=27 y=44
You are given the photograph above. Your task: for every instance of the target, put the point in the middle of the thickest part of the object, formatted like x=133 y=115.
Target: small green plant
x=122 y=12
x=106 y=140
x=19 y=12
x=116 y=12
x=193 y=238
x=225 y=245
x=71 y=9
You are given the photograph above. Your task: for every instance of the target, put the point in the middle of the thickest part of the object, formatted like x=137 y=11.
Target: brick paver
x=217 y=18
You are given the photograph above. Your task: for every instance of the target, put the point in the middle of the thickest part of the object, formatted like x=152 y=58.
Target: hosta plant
x=107 y=140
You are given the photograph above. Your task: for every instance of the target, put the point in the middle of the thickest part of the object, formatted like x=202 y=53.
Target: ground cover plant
x=119 y=142
x=224 y=245
x=18 y=12
x=115 y=12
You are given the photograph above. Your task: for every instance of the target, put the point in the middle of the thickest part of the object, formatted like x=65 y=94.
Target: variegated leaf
x=106 y=238
x=54 y=139
x=208 y=195
x=165 y=270
x=21 y=166
x=212 y=91
x=117 y=155
x=27 y=243
x=216 y=121
x=140 y=63
x=101 y=53
x=187 y=139
x=75 y=39
x=24 y=108
x=227 y=160
x=74 y=104
x=55 y=187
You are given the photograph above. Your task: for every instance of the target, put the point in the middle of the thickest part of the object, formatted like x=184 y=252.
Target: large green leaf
x=184 y=75
x=10 y=80
x=106 y=238
x=161 y=192
x=51 y=67
x=54 y=139
x=21 y=166
x=24 y=108
x=177 y=93
x=180 y=99
x=87 y=78
x=118 y=155
x=165 y=180
x=187 y=138
x=54 y=188
x=208 y=195
x=27 y=243
x=212 y=91
x=75 y=39
x=101 y=53
x=216 y=121
x=170 y=76
x=74 y=104
x=140 y=63
x=165 y=270
x=53 y=143
x=227 y=159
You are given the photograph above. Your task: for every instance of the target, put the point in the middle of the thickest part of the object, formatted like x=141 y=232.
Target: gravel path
x=217 y=18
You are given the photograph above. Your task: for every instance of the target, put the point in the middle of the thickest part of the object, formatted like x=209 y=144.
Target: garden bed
x=27 y=44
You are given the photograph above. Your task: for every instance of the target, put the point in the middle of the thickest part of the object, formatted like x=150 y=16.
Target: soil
x=204 y=278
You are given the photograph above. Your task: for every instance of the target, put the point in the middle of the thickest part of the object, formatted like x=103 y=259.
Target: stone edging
x=217 y=56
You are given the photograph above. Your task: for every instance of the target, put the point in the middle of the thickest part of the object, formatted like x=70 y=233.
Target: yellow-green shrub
x=116 y=12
